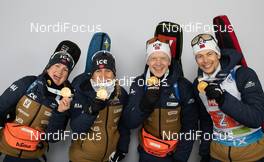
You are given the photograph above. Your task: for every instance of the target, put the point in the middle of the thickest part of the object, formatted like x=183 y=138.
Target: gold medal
x=152 y=81
x=49 y=82
x=201 y=86
x=102 y=93
x=66 y=92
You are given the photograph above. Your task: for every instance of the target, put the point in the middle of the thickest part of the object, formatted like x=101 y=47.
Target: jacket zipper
x=35 y=116
x=229 y=153
x=160 y=123
x=19 y=155
x=107 y=108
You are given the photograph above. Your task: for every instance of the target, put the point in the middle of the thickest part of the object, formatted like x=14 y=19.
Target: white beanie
x=158 y=46
x=205 y=45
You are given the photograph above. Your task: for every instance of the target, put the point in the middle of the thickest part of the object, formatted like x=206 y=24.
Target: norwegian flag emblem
x=101 y=66
x=212 y=103
x=202 y=44
x=64 y=48
x=64 y=61
x=157 y=46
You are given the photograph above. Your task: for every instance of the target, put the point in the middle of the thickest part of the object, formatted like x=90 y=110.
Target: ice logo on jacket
x=33 y=96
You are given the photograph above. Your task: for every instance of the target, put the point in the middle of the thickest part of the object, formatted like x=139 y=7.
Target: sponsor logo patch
x=96 y=128
x=132 y=91
x=27 y=103
x=117 y=110
x=171 y=96
x=33 y=96
x=250 y=84
x=19 y=120
x=77 y=105
x=172 y=113
x=23 y=112
x=13 y=87
x=47 y=113
x=172 y=104
x=44 y=122
x=22 y=145
x=101 y=62
x=171 y=120
x=191 y=101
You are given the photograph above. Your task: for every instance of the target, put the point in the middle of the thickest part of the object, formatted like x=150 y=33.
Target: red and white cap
x=205 y=45
x=158 y=46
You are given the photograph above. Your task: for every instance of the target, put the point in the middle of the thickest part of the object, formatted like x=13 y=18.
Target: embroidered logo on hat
x=64 y=47
x=157 y=46
x=103 y=60
x=201 y=43
x=99 y=62
x=67 y=53
x=62 y=57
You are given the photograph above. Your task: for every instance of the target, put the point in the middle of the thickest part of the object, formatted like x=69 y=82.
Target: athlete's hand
x=214 y=92
x=95 y=107
x=117 y=156
x=64 y=104
x=150 y=99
